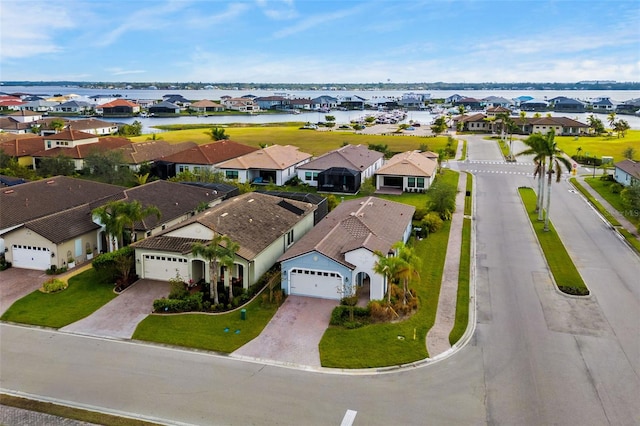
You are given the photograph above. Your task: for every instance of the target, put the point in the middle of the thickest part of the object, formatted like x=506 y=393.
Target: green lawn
x=604 y=212
x=310 y=141
x=207 y=331
x=86 y=293
x=562 y=268
x=603 y=188
x=462 y=301
x=468 y=210
x=380 y=345
x=600 y=145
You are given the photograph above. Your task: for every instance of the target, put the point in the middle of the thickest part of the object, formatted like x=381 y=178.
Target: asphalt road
x=537 y=357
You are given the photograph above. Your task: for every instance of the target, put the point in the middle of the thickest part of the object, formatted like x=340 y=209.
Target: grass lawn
x=564 y=272
x=380 y=345
x=206 y=331
x=467 y=198
x=86 y=293
x=603 y=188
x=600 y=145
x=462 y=302
x=310 y=141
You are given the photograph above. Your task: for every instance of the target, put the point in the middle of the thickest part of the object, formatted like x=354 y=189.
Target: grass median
x=562 y=268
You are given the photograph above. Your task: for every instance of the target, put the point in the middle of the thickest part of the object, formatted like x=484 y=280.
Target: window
x=315 y=176
x=411 y=182
x=231 y=174
x=181 y=169
x=420 y=182
x=289 y=238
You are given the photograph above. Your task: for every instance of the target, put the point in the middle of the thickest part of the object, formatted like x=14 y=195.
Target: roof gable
x=357 y=157
x=410 y=163
x=275 y=157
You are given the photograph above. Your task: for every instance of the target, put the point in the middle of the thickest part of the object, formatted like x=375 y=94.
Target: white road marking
x=348 y=418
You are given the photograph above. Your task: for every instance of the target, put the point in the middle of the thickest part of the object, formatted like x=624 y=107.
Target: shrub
x=616 y=188
x=432 y=222
x=191 y=303
x=340 y=316
x=576 y=291
x=420 y=213
x=3 y=263
x=53 y=285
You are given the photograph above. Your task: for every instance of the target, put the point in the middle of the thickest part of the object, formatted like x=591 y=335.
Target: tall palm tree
x=408 y=267
x=535 y=145
x=134 y=212
x=611 y=118
x=227 y=260
x=213 y=253
x=387 y=266
x=111 y=217
x=523 y=119
x=554 y=159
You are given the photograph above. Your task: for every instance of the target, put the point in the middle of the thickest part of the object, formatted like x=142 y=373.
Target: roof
x=630 y=167
x=555 y=121
x=371 y=223
x=275 y=157
x=171 y=198
x=410 y=163
x=211 y=153
x=90 y=124
x=164 y=104
x=70 y=135
x=37 y=199
x=22 y=147
x=117 y=103
x=84 y=150
x=206 y=103
x=253 y=220
x=65 y=225
x=472 y=118
x=139 y=152
x=358 y=157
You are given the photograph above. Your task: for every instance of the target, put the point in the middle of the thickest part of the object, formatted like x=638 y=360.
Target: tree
x=523 y=119
x=57 y=124
x=439 y=125
x=133 y=212
x=535 y=143
x=110 y=216
x=461 y=109
x=329 y=118
x=611 y=118
x=58 y=165
x=214 y=253
x=621 y=127
x=217 y=134
x=596 y=125
x=407 y=268
x=387 y=266
x=629 y=153
x=227 y=261
x=108 y=167
x=133 y=129
x=442 y=199
x=630 y=196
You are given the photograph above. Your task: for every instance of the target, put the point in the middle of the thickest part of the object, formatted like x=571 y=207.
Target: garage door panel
x=31 y=257
x=320 y=284
x=164 y=268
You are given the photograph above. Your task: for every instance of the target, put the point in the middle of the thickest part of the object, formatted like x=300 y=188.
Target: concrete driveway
x=293 y=334
x=15 y=283
x=120 y=317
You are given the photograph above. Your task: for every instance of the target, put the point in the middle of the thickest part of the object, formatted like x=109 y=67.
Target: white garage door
x=163 y=268
x=320 y=284
x=31 y=257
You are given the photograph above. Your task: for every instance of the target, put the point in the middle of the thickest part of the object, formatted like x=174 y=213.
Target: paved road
x=537 y=358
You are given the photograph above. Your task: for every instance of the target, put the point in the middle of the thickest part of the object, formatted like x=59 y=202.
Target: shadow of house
x=339 y=179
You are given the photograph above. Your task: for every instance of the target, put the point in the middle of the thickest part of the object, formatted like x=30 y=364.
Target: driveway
x=15 y=283
x=293 y=334
x=120 y=317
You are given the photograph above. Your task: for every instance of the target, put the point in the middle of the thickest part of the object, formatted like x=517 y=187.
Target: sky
x=320 y=41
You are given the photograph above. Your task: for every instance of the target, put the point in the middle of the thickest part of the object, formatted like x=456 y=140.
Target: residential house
x=324 y=102
x=322 y=206
x=73 y=107
x=357 y=158
x=339 y=254
x=164 y=108
x=411 y=171
x=206 y=105
x=351 y=102
x=276 y=164
x=414 y=100
x=627 y=172
x=77 y=146
x=473 y=123
x=496 y=101
x=38 y=105
x=272 y=102
x=564 y=104
x=22 y=147
x=262 y=225
x=603 y=105
x=562 y=126
x=631 y=106
x=240 y=104
x=204 y=157
x=136 y=154
x=534 y=105
x=451 y=100
x=470 y=104
x=93 y=126
x=495 y=110
x=300 y=104
x=118 y=108
x=177 y=99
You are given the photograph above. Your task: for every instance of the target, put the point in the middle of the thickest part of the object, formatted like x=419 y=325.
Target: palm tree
x=213 y=253
x=611 y=118
x=227 y=260
x=535 y=143
x=555 y=160
x=134 y=212
x=408 y=267
x=111 y=217
x=387 y=266
x=217 y=134
x=523 y=117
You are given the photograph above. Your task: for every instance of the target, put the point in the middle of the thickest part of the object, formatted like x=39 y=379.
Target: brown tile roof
x=355 y=157
x=253 y=220
x=118 y=102
x=274 y=157
x=22 y=146
x=90 y=124
x=472 y=118
x=172 y=199
x=9 y=124
x=372 y=223
x=206 y=103
x=498 y=109
x=168 y=244
x=211 y=153
x=25 y=113
x=65 y=225
x=37 y=199
x=410 y=163
x=12 y=136
x=82 y=151
x=140 y=152
x=70 y=135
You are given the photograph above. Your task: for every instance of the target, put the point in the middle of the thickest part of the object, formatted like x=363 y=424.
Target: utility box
x=243 y=314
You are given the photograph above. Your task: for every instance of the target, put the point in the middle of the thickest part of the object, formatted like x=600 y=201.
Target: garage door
x=31 y=257
x=163 y=268
x=315 y=284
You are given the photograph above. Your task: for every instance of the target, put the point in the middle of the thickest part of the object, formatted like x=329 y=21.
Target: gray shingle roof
x=357 y=157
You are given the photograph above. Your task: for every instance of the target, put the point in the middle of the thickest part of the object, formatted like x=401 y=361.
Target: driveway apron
x=120 y=317
x=293 y=334
x=15 y=283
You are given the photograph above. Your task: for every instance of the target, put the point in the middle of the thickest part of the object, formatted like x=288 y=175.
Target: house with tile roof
x=338 y=255
x=363 y=161
x=240 y=104
x=411 y=171
x=22 y=147
x=77 y=149
x=263 y=225
x=205 y=156
x=118 y=108
x=627 y=172
x=47 y=222
x=564 y=104
x=275 y=163
x=473 y=123
x=94 y=126
x=206 y=105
